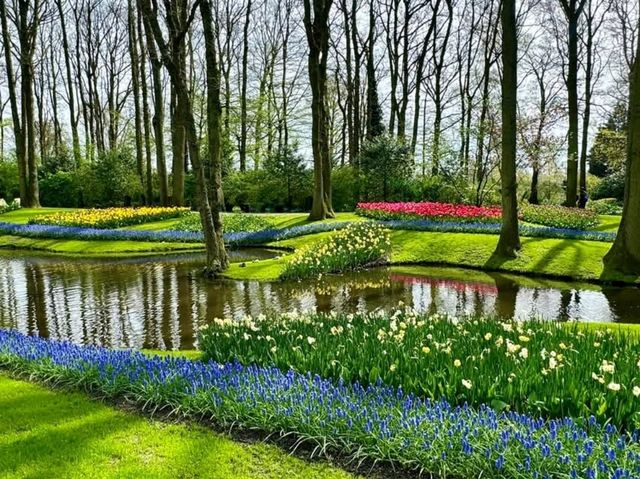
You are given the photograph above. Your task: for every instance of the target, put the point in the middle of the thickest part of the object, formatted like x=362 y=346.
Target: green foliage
x=559 y=216
x=606 y=206
x=386 y=166
x=358 y=245
x=52 y=164
x=260 y=190
x=9 y=182
x=610 y=187
x=531 y=367
x=287 y=168
x=61 y=189
x=231 y=223
x=442 y=189
x=345 y=184
x=608 y=153
x=111 y=180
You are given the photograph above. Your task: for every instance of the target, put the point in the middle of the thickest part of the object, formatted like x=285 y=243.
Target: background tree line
x=411 y=96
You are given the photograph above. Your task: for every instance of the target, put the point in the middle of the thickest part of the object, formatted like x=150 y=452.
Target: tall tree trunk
x=18 y=132
x=509 y=242
x=158 y=114
x=219 y=261
x=243 y=91
x=216 y=257
x=572 y=10
x=73 y=117
x=145 y=110
x=317 y=30
x=135 y=84
x=624 y=255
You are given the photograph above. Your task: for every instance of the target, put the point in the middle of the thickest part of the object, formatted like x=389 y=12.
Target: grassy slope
x=22 y=216
x=550 y=257
x=60 y=434
x=559 y=258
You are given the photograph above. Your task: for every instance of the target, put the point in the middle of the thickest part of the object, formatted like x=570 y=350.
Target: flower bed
x=110 y=217
x=533 y=367
x=377 y=423
x=436 y=211
x=494 y=228
x=559 y=216
x=358 y=245
x=231 y=223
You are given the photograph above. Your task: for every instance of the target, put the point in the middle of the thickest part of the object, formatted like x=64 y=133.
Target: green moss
x=60 y=434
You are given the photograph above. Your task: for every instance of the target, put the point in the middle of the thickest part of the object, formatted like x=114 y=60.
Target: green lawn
x=59 y=434
x=98 y=247
x=23 y=215
x=559 y=258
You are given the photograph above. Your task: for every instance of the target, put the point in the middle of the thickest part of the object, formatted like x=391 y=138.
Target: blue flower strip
x=375 y=422
x=275 y=234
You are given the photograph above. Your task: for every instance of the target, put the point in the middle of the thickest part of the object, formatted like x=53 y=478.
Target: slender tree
x=217 y=259
x=509 y=242
x=572 y=10
x=316 y=22
x=26 y=17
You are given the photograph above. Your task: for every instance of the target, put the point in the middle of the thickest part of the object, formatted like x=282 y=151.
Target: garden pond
x=160 y=302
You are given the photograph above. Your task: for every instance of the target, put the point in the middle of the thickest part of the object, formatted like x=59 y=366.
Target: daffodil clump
x=358 y=245
x=530 y=367
x=110 y=217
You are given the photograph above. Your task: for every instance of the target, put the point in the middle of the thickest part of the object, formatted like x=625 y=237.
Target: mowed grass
x=23 y=215
x=96 y=247
x=559 y=258
x=59 y=434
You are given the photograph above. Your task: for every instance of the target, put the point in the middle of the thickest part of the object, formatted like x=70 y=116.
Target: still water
x=160 y=302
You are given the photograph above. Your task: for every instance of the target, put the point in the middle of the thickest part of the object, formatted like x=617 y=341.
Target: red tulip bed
x=430 y=210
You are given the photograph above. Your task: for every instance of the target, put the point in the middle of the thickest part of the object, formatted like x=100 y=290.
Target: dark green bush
x=61 y=189
x=606 y=206
x=610 y=187
x=9 y=183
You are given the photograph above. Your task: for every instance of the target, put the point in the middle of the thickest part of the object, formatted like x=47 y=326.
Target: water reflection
x=161 y=302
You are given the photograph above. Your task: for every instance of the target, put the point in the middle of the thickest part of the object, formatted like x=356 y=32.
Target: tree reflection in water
x=161 y=302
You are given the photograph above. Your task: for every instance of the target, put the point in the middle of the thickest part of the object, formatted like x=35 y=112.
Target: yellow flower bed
x=110 y=217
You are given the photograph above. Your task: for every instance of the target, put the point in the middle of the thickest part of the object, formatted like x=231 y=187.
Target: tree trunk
x=216 y=257
x=135 y=84
x=243 y=92
x=158 y=114
x=318 y=38
x=624 y=255
x=509 y=242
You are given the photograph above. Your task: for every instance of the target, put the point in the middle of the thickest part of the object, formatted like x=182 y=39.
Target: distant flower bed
x=605 y=206
x=6 y=208
x=376 y=423
x=110 y=217
x=231 y=223
x=358 y=245
x=429 y=210
x=529 y=367
x=559 y=216
x=494 y=228
x=97 y=234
